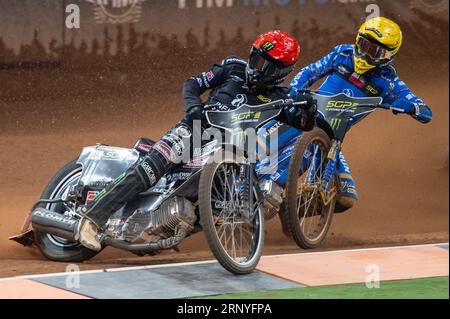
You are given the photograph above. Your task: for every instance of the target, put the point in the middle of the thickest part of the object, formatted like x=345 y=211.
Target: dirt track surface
x=401 y=168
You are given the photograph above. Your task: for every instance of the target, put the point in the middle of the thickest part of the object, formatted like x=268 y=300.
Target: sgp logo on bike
x=342 y=105
x=117 y=11
x=246 y=116
x=105 y=155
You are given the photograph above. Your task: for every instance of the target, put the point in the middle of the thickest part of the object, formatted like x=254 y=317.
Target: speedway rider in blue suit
x=364 y=70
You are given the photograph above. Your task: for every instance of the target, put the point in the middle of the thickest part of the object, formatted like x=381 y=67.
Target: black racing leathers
x=227 y=82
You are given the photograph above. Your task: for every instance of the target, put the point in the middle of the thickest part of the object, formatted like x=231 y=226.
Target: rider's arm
x=197 y=85
x=316 y=71
x=404 y=101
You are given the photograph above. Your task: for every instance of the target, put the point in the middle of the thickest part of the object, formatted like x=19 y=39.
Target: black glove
x=195 y=113
x=309 y=104
x=302 y=115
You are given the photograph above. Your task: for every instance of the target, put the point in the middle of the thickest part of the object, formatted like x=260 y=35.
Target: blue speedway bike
x=312 y=183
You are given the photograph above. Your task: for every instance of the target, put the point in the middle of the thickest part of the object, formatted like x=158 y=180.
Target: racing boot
x=123 y=189
x=347 y=195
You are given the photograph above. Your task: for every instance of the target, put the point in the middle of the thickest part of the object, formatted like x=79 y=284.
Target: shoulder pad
x=388 y=72
x=345 y=48
x=233 y=60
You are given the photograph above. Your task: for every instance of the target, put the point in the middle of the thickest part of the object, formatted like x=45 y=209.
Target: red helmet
x=272 y=57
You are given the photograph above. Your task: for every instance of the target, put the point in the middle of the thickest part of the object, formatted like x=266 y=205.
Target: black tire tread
x=73 y=254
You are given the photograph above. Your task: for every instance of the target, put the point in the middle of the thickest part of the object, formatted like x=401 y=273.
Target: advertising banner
x=83 y=30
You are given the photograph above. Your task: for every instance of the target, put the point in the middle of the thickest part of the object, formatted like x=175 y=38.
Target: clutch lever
x=390 y=107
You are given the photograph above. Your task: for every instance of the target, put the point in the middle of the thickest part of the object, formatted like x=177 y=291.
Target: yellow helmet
x=377 y=43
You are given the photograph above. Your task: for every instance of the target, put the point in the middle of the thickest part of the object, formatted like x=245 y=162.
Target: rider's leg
x=347 y=195
x=165 y=153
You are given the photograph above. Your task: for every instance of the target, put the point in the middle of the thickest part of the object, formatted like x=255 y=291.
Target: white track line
x=357 y=250
x=84 y=272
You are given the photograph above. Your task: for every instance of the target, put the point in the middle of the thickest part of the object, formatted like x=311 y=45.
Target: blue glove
x=422 y=113
x=419 y=111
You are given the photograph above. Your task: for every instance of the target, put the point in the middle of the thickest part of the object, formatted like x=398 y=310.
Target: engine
x=273 y=198
x=163 y=223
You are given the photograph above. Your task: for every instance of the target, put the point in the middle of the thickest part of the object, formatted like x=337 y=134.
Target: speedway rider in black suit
x=232 y=83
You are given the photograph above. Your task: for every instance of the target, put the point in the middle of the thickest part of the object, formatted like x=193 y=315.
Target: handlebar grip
x=301 y=90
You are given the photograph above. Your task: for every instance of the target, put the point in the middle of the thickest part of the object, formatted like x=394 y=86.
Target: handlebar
x=267 y=106
x=383 y=106
x=291 y=102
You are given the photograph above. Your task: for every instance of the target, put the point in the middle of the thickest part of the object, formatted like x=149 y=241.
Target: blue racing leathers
x=338 y=70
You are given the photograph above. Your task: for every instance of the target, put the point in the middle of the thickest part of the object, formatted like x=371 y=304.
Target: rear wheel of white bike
x=54 y=247
x=233 y=229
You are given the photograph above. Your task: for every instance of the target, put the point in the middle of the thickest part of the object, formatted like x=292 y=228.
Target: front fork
x=247 y=179
x=330 y=170
x=328 y=191
x=323 y=184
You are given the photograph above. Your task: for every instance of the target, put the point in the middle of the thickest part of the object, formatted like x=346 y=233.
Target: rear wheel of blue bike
x=309 y=210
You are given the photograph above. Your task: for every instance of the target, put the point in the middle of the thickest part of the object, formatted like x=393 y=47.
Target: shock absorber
x=245 y=192
x=244 y=189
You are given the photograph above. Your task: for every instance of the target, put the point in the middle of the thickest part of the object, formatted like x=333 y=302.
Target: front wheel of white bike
x=234 y=230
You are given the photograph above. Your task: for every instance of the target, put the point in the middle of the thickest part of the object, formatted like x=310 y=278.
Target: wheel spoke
x=236 y=234
x=219 y=195
x=309 y=210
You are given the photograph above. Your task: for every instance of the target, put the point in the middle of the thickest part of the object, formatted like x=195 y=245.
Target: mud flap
x=26 y=239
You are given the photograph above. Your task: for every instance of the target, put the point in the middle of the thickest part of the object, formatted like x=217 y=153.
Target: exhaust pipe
x=46 y=221
x=161 y=244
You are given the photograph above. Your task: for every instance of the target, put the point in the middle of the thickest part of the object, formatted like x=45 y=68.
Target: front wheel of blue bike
x=309 y=209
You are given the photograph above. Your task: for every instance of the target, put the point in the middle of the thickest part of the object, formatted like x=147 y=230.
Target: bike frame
x=341 y=112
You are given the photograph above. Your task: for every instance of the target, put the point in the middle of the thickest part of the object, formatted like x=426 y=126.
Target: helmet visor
x=266 y=67
x=372 y=50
